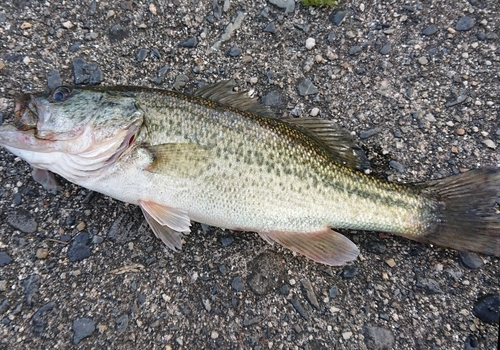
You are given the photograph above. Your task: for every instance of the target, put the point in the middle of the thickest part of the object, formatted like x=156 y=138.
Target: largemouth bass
x=220 y=158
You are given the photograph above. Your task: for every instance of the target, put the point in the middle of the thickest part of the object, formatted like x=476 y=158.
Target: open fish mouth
x=25 y=113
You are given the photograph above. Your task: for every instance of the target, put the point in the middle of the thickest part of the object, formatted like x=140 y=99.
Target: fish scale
x=220 y=158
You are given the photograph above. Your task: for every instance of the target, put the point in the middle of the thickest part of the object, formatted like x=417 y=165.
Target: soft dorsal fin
x=222 y=92
x=338 y=141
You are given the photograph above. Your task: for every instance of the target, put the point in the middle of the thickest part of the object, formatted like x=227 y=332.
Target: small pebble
x=42 y=253
x=226 y=241
x=234 y=51
x=270 y=28
x=460 y=132
x=306 y=87
x=354 y=50
x=423 y=60
x=82 y=328
x=451 y=31
x=397 y=166
x=333 y=292
x=314 y=112
x=67 y=25
x=26 y=25
x=141 y=55
x=310 y=43
x=489 y=143
x=350 y=272
x=300 y=309
x=237 y=284
x=81 y=226
x=189 y=43
x=346 y=335
x=390 y=262
x=386 y=48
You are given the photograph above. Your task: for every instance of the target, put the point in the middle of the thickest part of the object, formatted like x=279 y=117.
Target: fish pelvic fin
x=168 y=224
x=326 y=247
x=469 y=212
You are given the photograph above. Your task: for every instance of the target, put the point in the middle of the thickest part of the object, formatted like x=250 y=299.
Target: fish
x=221 y=158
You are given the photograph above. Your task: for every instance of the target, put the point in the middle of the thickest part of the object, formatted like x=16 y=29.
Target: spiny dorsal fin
x=222 y=92
x=338 y=141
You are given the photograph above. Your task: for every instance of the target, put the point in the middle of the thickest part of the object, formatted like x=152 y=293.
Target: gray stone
x=37 y=321
x=465 y=23
x=79 y=248
x=306 y=87
x=430 y=30
x=288 y=5
x=397 y=166
x=270 y=28
x=189 y=43
x=237 y=284
x=338 y=16
x=470 y=260
x=141 y=54
x=5 y=259
x=53 y=79
x=378 y=338
x=386 y=48
x=117 y=33
x=487 y=308
x=354 y=50
x=122 y=323
x=22 y=220
x=30 y=285
x=82 y=328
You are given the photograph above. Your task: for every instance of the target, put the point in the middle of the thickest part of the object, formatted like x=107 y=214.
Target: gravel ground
x=416 y=82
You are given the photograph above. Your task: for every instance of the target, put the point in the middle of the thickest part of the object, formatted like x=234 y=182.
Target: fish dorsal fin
x=336 y=140
x=325 y=247
x=178 y=158
x=168 y=224
x=222 y=92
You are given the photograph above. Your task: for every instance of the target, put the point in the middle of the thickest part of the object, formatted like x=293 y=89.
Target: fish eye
x=60 y=94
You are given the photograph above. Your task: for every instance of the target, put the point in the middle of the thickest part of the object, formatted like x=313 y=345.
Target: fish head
x=89 y=125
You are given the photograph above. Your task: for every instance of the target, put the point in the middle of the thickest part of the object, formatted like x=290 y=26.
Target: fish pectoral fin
x=326 y=247
x=176 y=157
x=46 y=179
x=168 y=224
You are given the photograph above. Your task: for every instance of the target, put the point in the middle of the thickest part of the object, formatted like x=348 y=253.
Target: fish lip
x=25 y=113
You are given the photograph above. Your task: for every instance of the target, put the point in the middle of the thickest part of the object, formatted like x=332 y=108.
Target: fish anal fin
x=168 y=224
x=326 y=247
x=335 y=139
x=222 y=92
x=180 y=158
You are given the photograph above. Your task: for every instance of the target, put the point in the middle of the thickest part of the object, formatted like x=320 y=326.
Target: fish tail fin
x=469 y=211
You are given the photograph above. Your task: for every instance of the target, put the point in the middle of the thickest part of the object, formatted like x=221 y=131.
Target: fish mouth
x=25 y=113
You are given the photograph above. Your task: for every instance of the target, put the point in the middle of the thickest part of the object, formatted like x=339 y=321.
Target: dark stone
x=354 y=50
x=30 y=285
x=2 y=17
x=397 y=166
x=75 y=46
x=470 y=260
x=378 y=338
x=369 y=133
x=237 y=284
x=492 y=36
x=408 y=8
x=82 y=328
x=180 y=81
x=226 y=241
x=266 y=273
x=376 y=247
x=306 y=87
x=471 y=343
x=333 y=292
x=386 y=48
x=96 y=77
x=223 y=269
x=331 y=37
x=117 y=33
x=4 y=305
x=234 y=51
x=18 y=198
x=252 y=321
x=481 y=36
x=80 y=75
x=284 y=289
x=141 y=298
x=430 y=30
x=189 y=43
x=465 y=23
x=155 y=53
x=22 y=220
x=487 y=309
x=79 y=248
x=350 y=272
x=53 y=79
x=5 y=259
x=122 y=323
x=97 y=239
x=338 y=16
x=160 y=76
x=298 y=306
x=141 y=54
x=273 y=98
x=37 y=320
x=429 y=285
x=270 y=28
